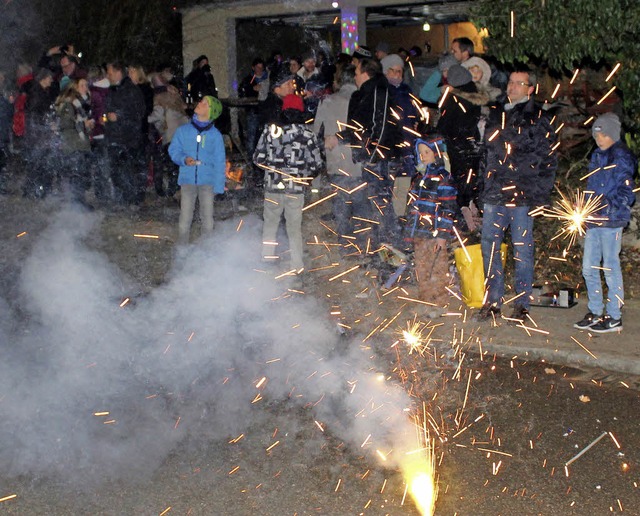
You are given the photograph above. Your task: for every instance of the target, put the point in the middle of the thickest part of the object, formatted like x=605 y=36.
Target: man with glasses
x=518 y=179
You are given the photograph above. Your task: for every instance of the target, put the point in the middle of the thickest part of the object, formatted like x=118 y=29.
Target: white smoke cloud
x=185 y=362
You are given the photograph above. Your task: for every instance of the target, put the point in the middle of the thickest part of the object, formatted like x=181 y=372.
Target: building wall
x=210 y=29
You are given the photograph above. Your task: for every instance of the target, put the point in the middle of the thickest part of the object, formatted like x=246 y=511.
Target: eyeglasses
x=518 y=83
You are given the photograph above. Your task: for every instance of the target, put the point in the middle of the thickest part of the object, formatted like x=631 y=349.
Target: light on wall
x=426 y=27
x=349 y=32
x=335 y=5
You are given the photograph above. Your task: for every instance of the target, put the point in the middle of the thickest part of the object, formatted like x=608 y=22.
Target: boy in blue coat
x=199 y=150
x=612 y=168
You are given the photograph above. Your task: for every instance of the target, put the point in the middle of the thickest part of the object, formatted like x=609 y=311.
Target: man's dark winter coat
x=127 y=102
x=369 y=111
x=521 y=162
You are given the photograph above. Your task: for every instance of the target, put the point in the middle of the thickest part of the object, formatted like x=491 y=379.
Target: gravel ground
x=503 y=430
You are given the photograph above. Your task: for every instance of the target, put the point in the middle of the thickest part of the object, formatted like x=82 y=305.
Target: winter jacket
x=71 y=123
x=521 y=161
x=40 y=117
x=404 y=114
x=370 y=112
x=168 y=114
x=19 y=117
x=202 y=83
x=433 y=209
x=290 y=156
x=458 y=123
x=205 y=145
x=332 y=110
x=245 y=89
x=99 y=91
x=612 y=176
x=126 y=101
x=430 y=91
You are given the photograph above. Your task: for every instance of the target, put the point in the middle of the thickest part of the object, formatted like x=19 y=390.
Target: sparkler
x=414 y=338
x=575 y=213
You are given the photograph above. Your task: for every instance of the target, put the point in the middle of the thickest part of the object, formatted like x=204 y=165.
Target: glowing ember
x=574 y=213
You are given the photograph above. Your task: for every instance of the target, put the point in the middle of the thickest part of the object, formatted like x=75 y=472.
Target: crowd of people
x=413 y=166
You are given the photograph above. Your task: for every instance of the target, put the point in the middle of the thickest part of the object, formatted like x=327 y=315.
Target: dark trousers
x=380 y=193
x=76 y=168
x=164 y=167
x=40 y=171
x=128 y=173
x=3 y=169
x=100 y=170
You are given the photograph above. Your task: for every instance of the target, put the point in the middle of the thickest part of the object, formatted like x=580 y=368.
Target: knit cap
x=390 y=61
x=458 y=76
x=283 y=76
x=215 y=107
x=608 y=124
x=446 y=61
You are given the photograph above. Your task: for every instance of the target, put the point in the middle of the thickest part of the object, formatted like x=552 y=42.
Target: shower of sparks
x=418 y=468
x=574 y=212
x=413 y=337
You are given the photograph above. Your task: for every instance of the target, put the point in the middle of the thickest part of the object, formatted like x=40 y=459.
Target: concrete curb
x=578 y=359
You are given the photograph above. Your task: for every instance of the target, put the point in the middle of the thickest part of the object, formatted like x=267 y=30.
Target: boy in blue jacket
x=612 y=168
x=199 y=150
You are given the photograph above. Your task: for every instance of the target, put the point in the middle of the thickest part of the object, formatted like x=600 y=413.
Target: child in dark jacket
x=612 y=169
x=433 y=212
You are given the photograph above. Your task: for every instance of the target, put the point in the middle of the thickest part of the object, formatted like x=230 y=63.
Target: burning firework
x=418 y=468
x=575 y=213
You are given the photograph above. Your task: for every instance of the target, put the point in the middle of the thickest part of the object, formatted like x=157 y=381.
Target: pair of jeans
x=380 y=193
x=602 y=251
x=351 y=211
x=495 y=222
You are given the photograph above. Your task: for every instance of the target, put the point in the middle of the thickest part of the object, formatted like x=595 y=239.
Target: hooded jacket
x=374 y=137
x=332 y=110
x=612 y=176
x=521 y=160
x=433 y=209
x=206 y=146
x=74 y=135
x=289 y=154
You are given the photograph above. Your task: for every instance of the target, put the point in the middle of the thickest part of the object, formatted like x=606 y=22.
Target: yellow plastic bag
x=471 y=273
